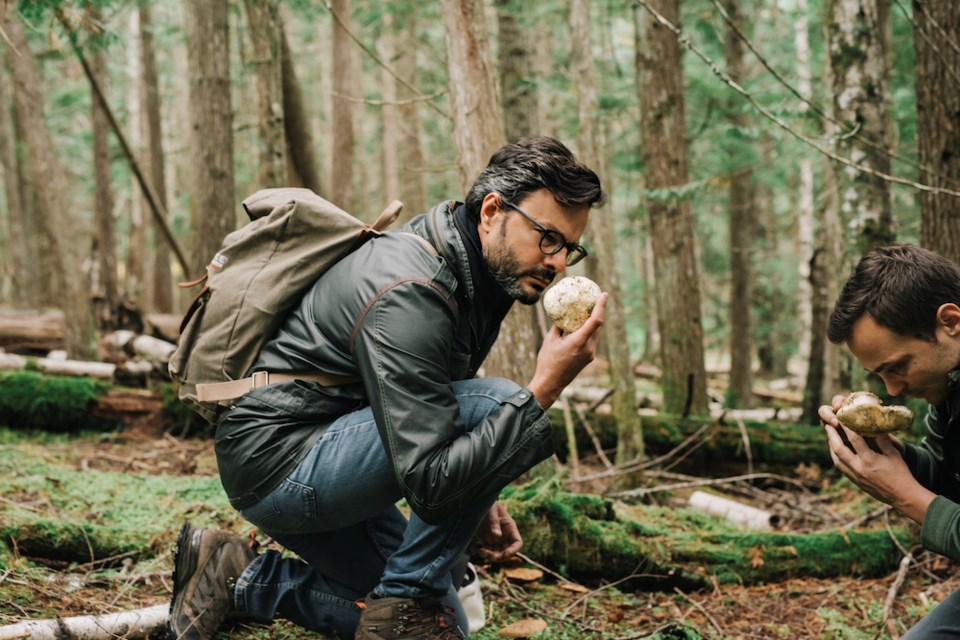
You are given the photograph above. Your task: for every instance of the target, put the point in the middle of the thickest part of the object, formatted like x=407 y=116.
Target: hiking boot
x=406 y=619
x=206 y=565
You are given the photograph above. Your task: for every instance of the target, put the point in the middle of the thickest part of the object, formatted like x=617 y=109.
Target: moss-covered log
x=591 y=538
x=774 y=446
x=29 y=399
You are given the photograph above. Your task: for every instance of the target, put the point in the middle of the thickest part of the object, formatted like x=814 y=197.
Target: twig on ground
x=544 y=568
x=892 y=596
x=593 y=436
x=701 y=609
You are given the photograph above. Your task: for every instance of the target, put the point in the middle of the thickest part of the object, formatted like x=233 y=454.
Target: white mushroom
x=864 y=413
x=570 y=301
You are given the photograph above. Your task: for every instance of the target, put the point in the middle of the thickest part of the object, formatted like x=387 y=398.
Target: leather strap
x=217 y=391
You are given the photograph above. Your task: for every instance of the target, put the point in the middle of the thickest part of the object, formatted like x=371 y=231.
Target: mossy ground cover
x=125 y=498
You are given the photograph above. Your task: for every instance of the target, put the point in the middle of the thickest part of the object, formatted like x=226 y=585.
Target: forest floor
x=848 y=608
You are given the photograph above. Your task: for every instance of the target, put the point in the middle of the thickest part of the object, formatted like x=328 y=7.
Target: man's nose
x=557 y=261
x=894 y=387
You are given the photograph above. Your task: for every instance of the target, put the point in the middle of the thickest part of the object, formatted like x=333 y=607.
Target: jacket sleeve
x=926 y=460
x=402 y=348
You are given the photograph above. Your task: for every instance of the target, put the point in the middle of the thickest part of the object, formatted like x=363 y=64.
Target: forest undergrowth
x=176 y=479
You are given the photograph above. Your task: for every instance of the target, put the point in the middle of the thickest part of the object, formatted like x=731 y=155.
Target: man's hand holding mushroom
x=880 y=471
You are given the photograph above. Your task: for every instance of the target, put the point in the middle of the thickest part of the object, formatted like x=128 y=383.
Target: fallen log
x=595 y=539
x=140 y=623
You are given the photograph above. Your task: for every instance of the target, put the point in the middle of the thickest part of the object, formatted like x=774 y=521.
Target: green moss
x=54 y=403
x=56 y=511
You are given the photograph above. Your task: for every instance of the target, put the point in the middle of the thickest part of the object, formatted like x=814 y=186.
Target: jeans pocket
x=290 y=508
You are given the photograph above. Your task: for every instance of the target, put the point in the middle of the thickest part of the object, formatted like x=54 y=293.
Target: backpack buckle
x=259 y=379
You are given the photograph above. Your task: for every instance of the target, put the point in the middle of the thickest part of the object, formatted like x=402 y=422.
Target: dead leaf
x=573 y=586
x=792 y=549
x=523 y=574
x=756 y=557
x=523 y=628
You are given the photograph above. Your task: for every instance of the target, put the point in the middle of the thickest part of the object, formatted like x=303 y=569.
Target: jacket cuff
x=940 y=531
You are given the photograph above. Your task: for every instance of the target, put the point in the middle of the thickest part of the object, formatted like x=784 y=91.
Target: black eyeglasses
x=551 y=242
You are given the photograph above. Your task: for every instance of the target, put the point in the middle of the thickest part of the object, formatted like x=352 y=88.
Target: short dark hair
x=901 y=286
x=518 y=169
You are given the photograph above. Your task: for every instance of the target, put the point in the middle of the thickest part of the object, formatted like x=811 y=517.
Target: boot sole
x=183 y=567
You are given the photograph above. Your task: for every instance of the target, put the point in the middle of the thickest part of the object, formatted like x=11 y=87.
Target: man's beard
x=505 y=269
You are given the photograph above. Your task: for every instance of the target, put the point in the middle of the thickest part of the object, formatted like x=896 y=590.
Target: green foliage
x=30 y=399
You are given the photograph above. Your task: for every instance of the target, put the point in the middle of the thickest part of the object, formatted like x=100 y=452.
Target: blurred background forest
x=752 y=150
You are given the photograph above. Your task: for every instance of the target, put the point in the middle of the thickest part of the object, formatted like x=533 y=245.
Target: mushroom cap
x=523 y=628
x=570 y=301
x=864 y=413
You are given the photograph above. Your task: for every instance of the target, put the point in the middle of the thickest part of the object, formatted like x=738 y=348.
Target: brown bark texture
x=65 y=240
x=152 y=136
x=20 y=281
x=602 y=239
x=473 y=96
x=264 y=19
x=741 y=225
x=664 y=156
x=345 y=85
x=517 y=85
x=938 y=122
x=413 y=185
x=106 y=285
x=301 y=153
x=211 y=130
x=859 y=71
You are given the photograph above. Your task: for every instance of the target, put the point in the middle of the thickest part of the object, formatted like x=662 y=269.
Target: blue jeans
x=942 y=623
x=337 y=512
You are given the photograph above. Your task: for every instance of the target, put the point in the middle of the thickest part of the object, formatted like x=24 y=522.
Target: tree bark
x=20 y=277
x=517 y=84
x=211 y=129
x=65 y=239
x=264 y=19
x=105 y=285
x=664 y=155
x=805 y=206
x=859 y=71
x=602 y=236
x=161 y=298
x=135 y=284
x=390 y=165
x=345 y=85
x=413 y=185
x=473 y=95
x=741 y=230
x=142 y=623
x=938 y=122
x=301 y=153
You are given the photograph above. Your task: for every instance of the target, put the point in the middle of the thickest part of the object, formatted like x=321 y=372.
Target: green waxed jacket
x=404 y=320
x=935 y=462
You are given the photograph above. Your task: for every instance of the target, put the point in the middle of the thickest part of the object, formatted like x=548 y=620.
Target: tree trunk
x=517 y=85
x=741 y=230
x=65 y=239
x=342 y=117
x=938 y=122
x=211 y=128
x=105 y=284
x=161 y=299
x=664 y=155
x=264 y=19
x=859 y=70
x=135 y=259
x=473 y=96
x=390 y=165
x=142 y=623
x=805 y=208
x=20 y=281
x=602 y=236
x=413 y=186
x=301 y=152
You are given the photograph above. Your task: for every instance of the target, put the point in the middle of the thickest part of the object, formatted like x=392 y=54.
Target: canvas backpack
x=262 y=271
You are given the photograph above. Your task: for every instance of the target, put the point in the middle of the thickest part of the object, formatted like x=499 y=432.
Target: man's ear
x=490 y=208
x=948 y=315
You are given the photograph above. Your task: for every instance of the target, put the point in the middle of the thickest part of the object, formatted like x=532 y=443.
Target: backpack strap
x=218 y=391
